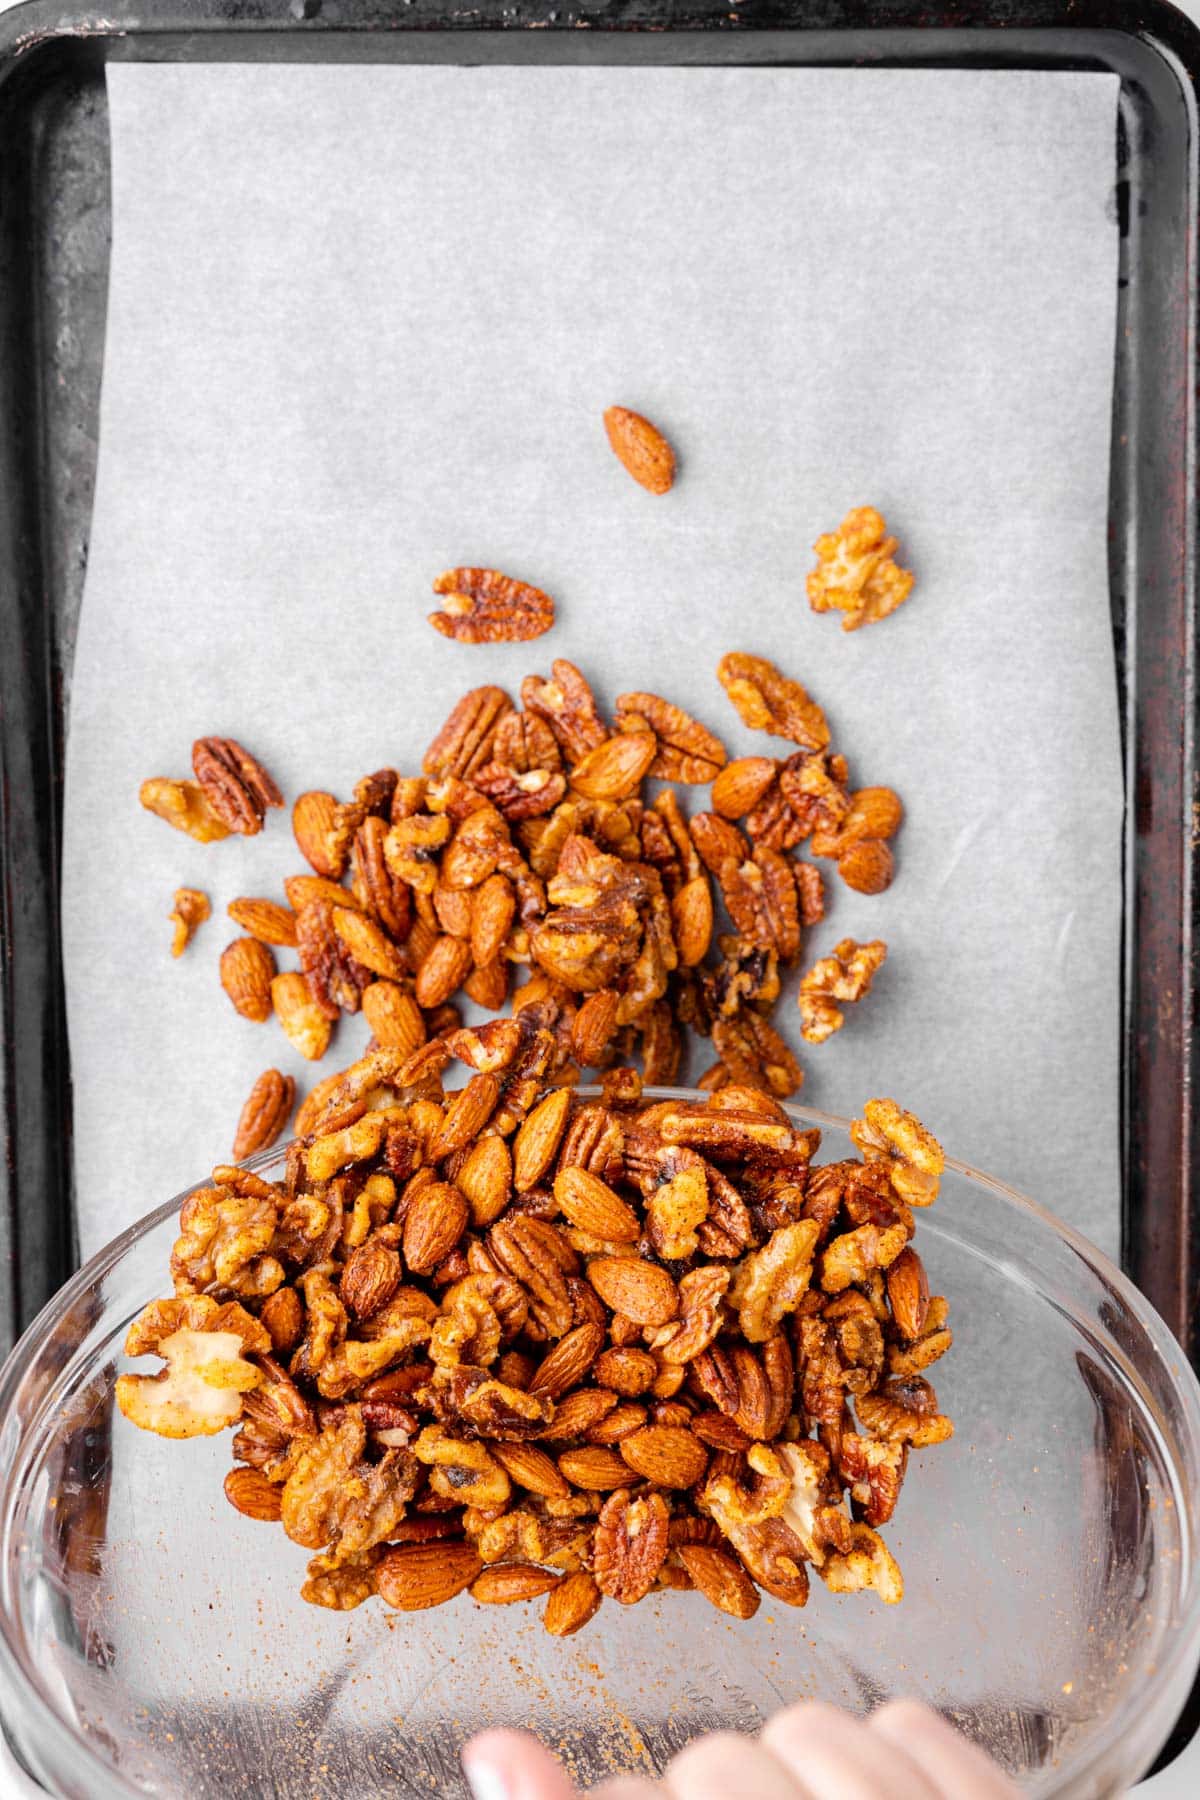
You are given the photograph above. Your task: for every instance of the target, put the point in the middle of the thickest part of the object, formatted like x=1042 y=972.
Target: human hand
x=904 y=1751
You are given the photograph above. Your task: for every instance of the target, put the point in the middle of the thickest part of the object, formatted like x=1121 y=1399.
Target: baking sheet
x=363 y=323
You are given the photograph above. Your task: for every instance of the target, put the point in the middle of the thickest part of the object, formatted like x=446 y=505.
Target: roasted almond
x=319 y=836
x=487 y=985
x=875 y=812
x=370 y=1278
x=436 y=1219
x=614 y=769
x=531 y=1468
x=283 y=1316
x=592 y=1206
x=640 y=448
x=571 y=1604
x=503 y=1583
x=265 y=920
x=305 y=1025
x=569 y=1361
x=453 y=907
x=627 y=1369
x=247 y=971
x=594 y=1026
x=594 y=1467
x=908 y=1293
x=253 y=1495
x=742 y=784
x=620 y=1423
x=578 y=1412
x=368 y=944
x=415 y=1576
x=443 y=971
x=467 y=1112
x=643 y=1291
x=267 y=1110
x=486 y=1179
x=867 y=866
x=493 y=907
x=692 y=921
x=667 y=1454
x=537 y=1140
x=394 y=1017
x=302 y=890
x=720 y=1579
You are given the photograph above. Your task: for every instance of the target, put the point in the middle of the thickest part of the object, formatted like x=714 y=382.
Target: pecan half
x=481 y=606
x=235 y=784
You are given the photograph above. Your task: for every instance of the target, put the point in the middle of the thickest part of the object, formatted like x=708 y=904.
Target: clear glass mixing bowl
x=152 y=1641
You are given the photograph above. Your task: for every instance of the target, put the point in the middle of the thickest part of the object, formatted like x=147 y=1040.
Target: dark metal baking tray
x=54 y=245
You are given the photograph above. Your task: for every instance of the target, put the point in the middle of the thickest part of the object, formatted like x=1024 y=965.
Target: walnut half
x=200 y=1391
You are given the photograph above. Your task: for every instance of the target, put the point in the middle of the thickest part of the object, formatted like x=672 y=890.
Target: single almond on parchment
x=641 y=448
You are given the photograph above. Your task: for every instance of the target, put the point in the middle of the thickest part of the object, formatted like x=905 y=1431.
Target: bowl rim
x=1183 y=1651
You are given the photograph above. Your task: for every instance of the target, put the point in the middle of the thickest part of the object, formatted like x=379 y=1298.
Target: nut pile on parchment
x=529 y=846
x=516 y=1341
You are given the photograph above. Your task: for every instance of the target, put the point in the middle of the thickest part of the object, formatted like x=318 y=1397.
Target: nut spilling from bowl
x=531 y=1343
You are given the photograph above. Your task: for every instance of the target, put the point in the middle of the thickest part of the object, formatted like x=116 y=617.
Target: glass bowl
x=152 y=1640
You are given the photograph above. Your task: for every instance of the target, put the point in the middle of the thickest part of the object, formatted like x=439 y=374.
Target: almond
x=875 y=812
x=692 y=921
x=315 y=824
x=486 y=1179
x=467 y=1112
x=614 y=769
x=394 y=1017
x=503 y=1583
x=443 y=971
x=719 y=1432
x=415 y=1576
x=253 y=1495
x=265 y=920
x=537 y=1140
x=569 y=1361
x=531 y=1468
x=370 y=1278
x=627 y=1369
x=267 y=1110
x=302 y=890
x=314 y=1103
x=368 y=943
x=493 y=908
x=740 y=786
x=572 y=1603
x=578 y=1412
x=641 y=1290
x=867 y=866
x=592 y=1206
x=454 y=907
x=435 y=1221
x=667 y=1454
x=620 y=1423
x=908 y=1293
x=487 y=985
x=594 y=1467
x=247 y=970
x=594 y=1025
x=641 y=448
x=302 y=1019
x=283 y=1317
x=720 y=1579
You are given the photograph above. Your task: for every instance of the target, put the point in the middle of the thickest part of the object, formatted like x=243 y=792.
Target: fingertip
x=914 y=1715
x=807 y=1718
x=512 y=1765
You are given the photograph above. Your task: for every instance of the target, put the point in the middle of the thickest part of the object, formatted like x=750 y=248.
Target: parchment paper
x=363 y=325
